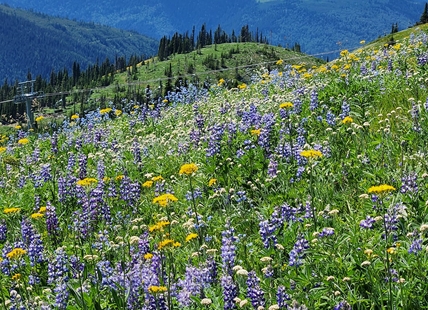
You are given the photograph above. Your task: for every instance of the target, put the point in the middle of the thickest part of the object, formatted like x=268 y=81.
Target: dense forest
x=40 y=43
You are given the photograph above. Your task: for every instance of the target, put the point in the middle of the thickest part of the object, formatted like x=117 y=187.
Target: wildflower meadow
x=305 y=189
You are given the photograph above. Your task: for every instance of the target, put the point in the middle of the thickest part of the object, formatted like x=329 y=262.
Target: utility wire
x=184 y=75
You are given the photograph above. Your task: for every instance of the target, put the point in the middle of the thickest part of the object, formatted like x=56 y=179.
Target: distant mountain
x=318 y=25
x=38 y=43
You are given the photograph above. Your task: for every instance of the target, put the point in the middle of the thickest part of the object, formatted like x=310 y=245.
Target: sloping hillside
x=41 y=43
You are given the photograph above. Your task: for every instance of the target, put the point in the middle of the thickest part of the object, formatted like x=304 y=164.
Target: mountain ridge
x=38 y=43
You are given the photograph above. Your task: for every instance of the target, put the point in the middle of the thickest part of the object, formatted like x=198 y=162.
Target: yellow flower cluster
x=154 y=289
x=212 y=181
x=16 y=277
x=39 y=118
x=379 y=189
x=158 y=226
x=16 y=253
x=286 y=105
x=23 y=141
x=221 y=82
x=157 y=178
x=105 y=111
x=188 y=169
x=347 y=120
x=191 y=237
x=256 y=132
x=118 y=112
x=2 y=149
x=120 y=177
x=242 y=86
x=279 y=62
x=74 y=117
x=148 y=184
x=164 y=199
x=11 y=210
x=168 y=243
x=36 y=215
x=87 y=182
x=311 y=154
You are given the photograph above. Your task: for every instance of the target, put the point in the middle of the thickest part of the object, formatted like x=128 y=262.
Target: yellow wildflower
x=368 y=252
x=42 y=209
x=188 y=169
x=256 y=132
x=391 y=250
x=165 y=101
x=221 y=82
x=148 y=256
x=18 y=127
x=212 y=181
x=344 y=53
x=11 y=210
x=118 y=112
x=158 y=226
x=384 y=188
x=154 y=289
x=105 y=111
x=16 y=253
x=157 y=178
x=2 y=149
x=74 y=117
x=148 y=184
x=120 y=177
x=164 y=199
x=347 y=120
x=311 y=153
x=39 y=118
x=286 y=105
x=23 y=141
x=36 y=215
x=307 y=75
x=165 y=243
x=242 y=86
x=191 y=237
x=16 y=277
x=86 y=182
x=279 y=62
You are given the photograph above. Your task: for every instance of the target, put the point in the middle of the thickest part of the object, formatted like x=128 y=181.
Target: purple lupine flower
x=330 y=118
x=346 y=109
x=230 y=292
x=272 y=168
x=136 y=151
x=297 y=254
x=254 y=292
x=282 y=297
x=368 y=222
x=343 y=305
x=241 y=196
x=409 y=184
x=129 y=191
x=214 y=143
x=45 y=173
x=61 y=295
x=267 y=233
x=192 y=285
x=416 y=245
x=264 y=138
x=228 y=249
x=326 y=232
x=197 y=193
x=70 y=164
x=51 y=220
x=83 y=161
x=314 y=100
x=393 y=276
x=101 y=170
x=58 y=267
x=54 y=143
x=3 y=231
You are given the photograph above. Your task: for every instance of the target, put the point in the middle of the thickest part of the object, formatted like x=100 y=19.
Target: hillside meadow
x=304 y=189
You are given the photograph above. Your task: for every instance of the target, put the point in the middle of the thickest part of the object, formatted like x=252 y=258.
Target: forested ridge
x=38 y=43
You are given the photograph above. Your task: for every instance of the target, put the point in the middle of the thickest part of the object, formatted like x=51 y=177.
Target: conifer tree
x=424 y=16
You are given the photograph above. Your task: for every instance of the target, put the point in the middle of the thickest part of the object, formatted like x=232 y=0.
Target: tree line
x=185 y=43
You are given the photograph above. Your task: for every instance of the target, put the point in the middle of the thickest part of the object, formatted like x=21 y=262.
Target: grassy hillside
x=207 y=65
x=40 y=43
x=302 y=190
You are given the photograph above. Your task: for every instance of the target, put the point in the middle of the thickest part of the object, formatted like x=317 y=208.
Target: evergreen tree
x=424 y=16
